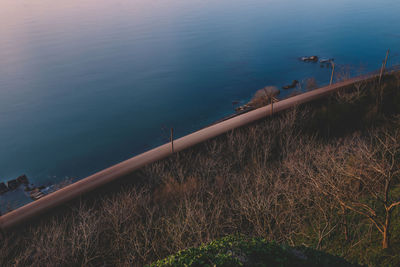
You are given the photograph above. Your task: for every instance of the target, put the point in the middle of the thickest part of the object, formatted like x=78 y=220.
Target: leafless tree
x=357 y=169
x=353 y=94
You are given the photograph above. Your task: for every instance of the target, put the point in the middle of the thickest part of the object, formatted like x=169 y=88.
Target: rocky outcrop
x=261 y=98
x=13 y=184
x=293 y=85
x=3 y=188
x=36 y=194
x=309 y=59
x=326 y=60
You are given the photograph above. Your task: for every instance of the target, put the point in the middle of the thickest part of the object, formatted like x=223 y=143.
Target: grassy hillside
x=323 y=176
x=243 y=251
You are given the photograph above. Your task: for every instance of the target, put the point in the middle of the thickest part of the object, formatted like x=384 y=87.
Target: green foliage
x=239 y=250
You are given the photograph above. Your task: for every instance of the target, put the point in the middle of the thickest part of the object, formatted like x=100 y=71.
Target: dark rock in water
x=245 y=107
x=3 y=188
x=309 y=59
x=293 y=85
x=36 y=194
x=23 y=179
x=27 y=188
x=326 y=60
x=13 y=184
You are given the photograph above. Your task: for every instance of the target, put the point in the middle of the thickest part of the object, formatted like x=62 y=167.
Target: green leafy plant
x=239 y=250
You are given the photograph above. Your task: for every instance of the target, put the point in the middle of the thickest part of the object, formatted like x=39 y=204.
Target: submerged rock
x=23 y=179
x=309 y=59
x=13 y=184
x=293 y=85
x=326 y=60
x=245 y=107
x=3 y=188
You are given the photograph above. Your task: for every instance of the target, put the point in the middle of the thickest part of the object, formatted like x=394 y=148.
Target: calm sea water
x=85 y=84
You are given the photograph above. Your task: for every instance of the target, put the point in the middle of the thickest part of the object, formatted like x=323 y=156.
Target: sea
x=85 y=84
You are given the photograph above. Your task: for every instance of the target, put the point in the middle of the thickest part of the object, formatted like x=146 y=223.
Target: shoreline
x=112 y=173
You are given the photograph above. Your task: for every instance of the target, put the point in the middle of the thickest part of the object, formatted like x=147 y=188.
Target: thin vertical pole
x=387 y=56
x=272 y=106
x=266 y=99
x=172 y=140
x=384 y=66
x=333 y=71
x=380 y=74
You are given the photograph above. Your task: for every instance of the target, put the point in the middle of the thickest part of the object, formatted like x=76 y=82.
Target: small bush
x=239 y=250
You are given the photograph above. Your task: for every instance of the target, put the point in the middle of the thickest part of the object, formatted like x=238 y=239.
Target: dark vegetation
x=242 y=251
x=324 y=176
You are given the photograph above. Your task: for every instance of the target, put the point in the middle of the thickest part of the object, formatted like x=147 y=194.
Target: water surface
x=85 y=84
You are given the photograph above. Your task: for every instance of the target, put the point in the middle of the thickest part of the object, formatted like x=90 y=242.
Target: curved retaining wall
x=70 y=192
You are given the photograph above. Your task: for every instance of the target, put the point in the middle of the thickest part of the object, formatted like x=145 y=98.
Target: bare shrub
x=311 y=84
x=171 y=189
x=85 y=233
x=46 y=248
x=191 y=223
x=357 y=168
x=342 y=73
x=129 y=220
x=352 y=95
x=264 y=205
x=237 y=147
x=9 y=249
x=397 y=78
x=264 y=96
